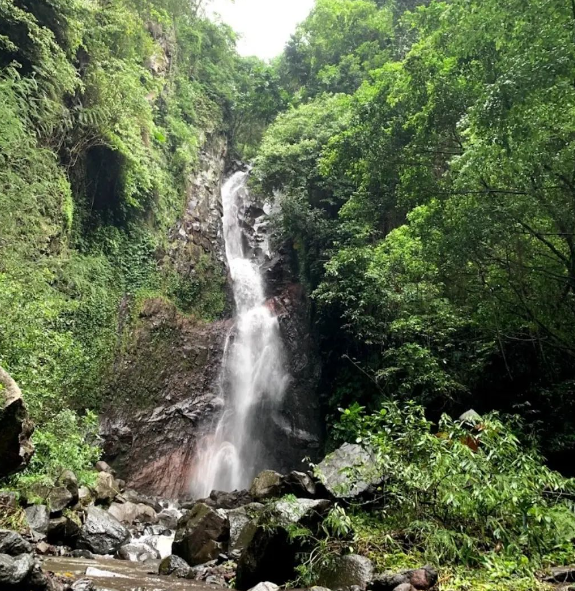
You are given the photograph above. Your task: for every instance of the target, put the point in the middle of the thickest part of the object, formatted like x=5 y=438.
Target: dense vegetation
x=427 y=173
x=423 y=162
x=426 y=183
x=104 y=109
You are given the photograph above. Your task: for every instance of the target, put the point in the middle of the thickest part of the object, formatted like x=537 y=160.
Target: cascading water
x=253 y=379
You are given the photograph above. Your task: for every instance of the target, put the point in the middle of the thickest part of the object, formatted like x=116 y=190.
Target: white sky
x=264 y=25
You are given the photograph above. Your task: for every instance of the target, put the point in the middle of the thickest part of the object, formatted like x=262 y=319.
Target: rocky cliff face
x=165 y=391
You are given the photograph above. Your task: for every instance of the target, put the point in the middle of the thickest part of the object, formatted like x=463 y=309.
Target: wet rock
x=137 y=552
x=106 y=489
x=421 y=578
x=101 y=533
x=58 y=499
x=349 y=471
x=299 y=484
x=304 y=511
x=169 y=518
x=85 y=496
x=348 y=571
x=69 y=481
x=267 y=586
x=14 y=571
x=268 y=557
x=83 y=585
x=130 y=513
x=174 y=565
x=243 y=525
x=224 y=500
x=102 y=466
x=16 y=448
x=405 y=587
x=267 y=484
x=318 y=588
x=200 y=534
x=63 y=530
x=13 y=544
x=82 y=554
x=43 y=548
x=561 y=574
x=38 y=518
x=137 y=498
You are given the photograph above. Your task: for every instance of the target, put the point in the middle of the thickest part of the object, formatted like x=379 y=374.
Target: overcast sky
x=265 y=25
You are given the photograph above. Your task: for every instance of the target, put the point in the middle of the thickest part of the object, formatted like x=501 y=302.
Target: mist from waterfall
x=253 y=378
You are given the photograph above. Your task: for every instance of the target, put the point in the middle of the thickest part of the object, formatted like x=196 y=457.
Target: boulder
x=38 y=518
x=347 y=571
x=174 y=565
x=16 y=449
x=243 y=525
x=137 y=552
x=269 y=555
x=58 y=499
x=560 y=574
x=200 y=534
x=101 y=533
x=266 y=485
x=69 y=481
x=15 y=571
x=102 y=466
x=420 y=578
x=85 y=496
x=232 y=500
x=106 y=489
x=64 y=530
x=137 y=498
x=130 y=513
x=169 y=518
x=267 y=586
x=349 y=471
x=303 y=511
x=299 y=484
x=13 y=544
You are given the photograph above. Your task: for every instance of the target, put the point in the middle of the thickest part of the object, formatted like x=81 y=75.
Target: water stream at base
x=253 y=378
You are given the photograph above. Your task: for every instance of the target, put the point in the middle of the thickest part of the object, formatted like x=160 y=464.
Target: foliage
x=460 y=490
x=433 y=218
x=104 y=108
x=66 y=442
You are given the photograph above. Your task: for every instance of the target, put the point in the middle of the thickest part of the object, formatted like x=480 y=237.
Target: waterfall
x=253 y=376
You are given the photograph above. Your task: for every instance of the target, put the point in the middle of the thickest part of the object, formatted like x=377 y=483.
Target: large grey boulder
x=16 y=448
x=58 y=499
x=101 y=533
x=243 y=525
x=349 y=471
x=13 y=544
x=299 y=484
x=137 y=552
x=64 y=530
x=201 y=534
x=348 y=571
x=174 y=565
x=266 y=485
x=69 y=481
x=106 y=489
x=270 y=555
x=14 y=571
x=38 y=518
x=130 y=513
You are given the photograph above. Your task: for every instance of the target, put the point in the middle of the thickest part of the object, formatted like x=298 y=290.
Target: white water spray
x=253 y=378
